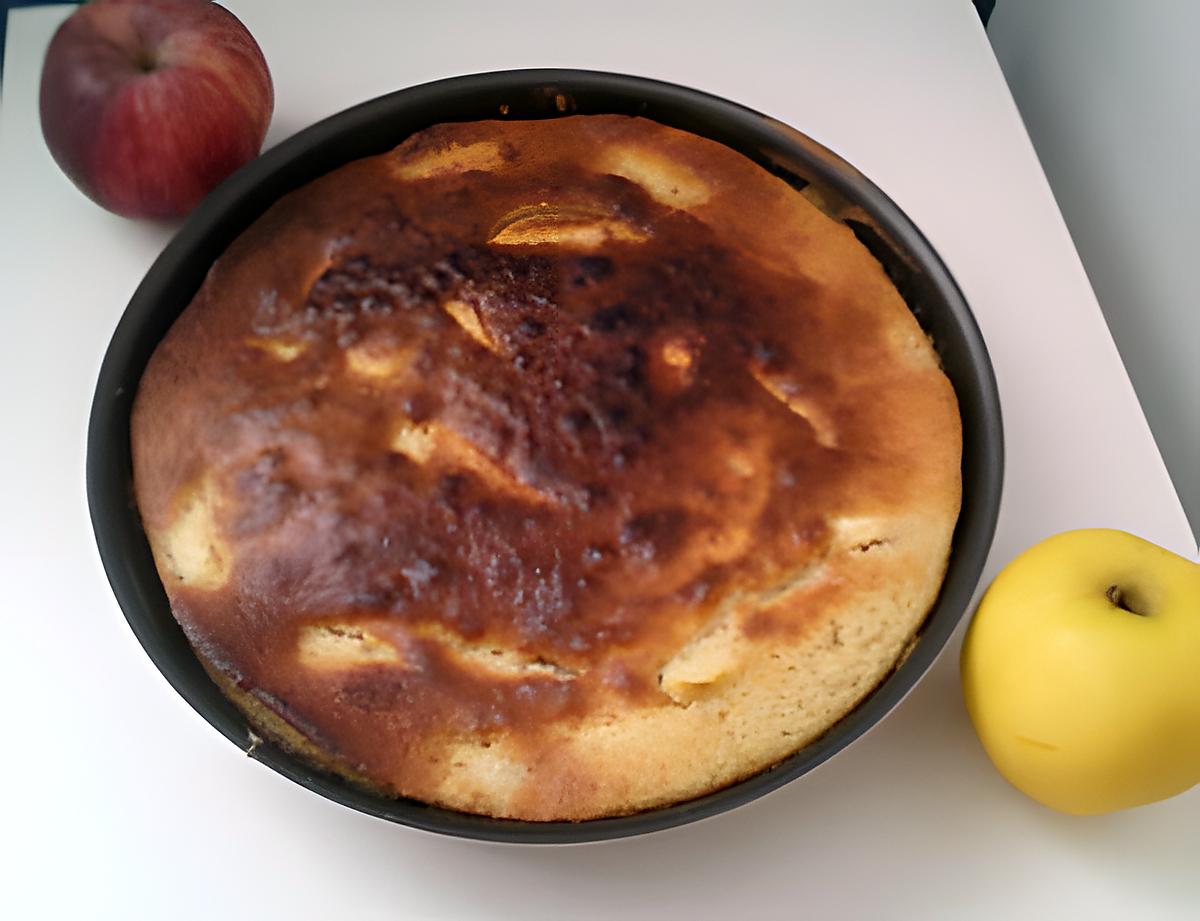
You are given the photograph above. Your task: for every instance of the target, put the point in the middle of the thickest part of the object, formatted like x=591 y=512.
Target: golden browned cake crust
x=548 y=469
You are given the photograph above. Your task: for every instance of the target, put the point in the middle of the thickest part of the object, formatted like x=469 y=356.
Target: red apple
x=148 y=104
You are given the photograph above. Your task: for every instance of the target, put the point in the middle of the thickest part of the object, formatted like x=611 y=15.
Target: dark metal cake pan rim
x=378 y=125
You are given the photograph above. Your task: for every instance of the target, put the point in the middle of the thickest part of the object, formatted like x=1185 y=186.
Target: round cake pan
x=377 y=126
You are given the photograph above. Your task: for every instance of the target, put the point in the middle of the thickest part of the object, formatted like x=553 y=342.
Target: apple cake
x=548 y=469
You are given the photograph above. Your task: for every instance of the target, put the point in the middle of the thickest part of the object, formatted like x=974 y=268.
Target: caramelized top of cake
x=468 y=453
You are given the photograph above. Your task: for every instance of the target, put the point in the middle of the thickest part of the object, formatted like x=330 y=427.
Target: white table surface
x=121 y=802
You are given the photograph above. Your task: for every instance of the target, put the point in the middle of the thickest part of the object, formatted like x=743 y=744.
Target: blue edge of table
x=5 y=6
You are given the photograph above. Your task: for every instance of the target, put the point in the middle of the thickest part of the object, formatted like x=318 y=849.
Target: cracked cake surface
x=547 y=470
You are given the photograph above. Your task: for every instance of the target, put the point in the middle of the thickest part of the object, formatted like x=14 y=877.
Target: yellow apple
x=1081 y=672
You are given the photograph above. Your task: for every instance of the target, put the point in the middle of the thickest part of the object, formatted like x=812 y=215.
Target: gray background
x=1110 y=93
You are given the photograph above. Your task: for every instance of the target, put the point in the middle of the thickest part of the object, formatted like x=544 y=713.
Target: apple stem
x=1118 y=598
